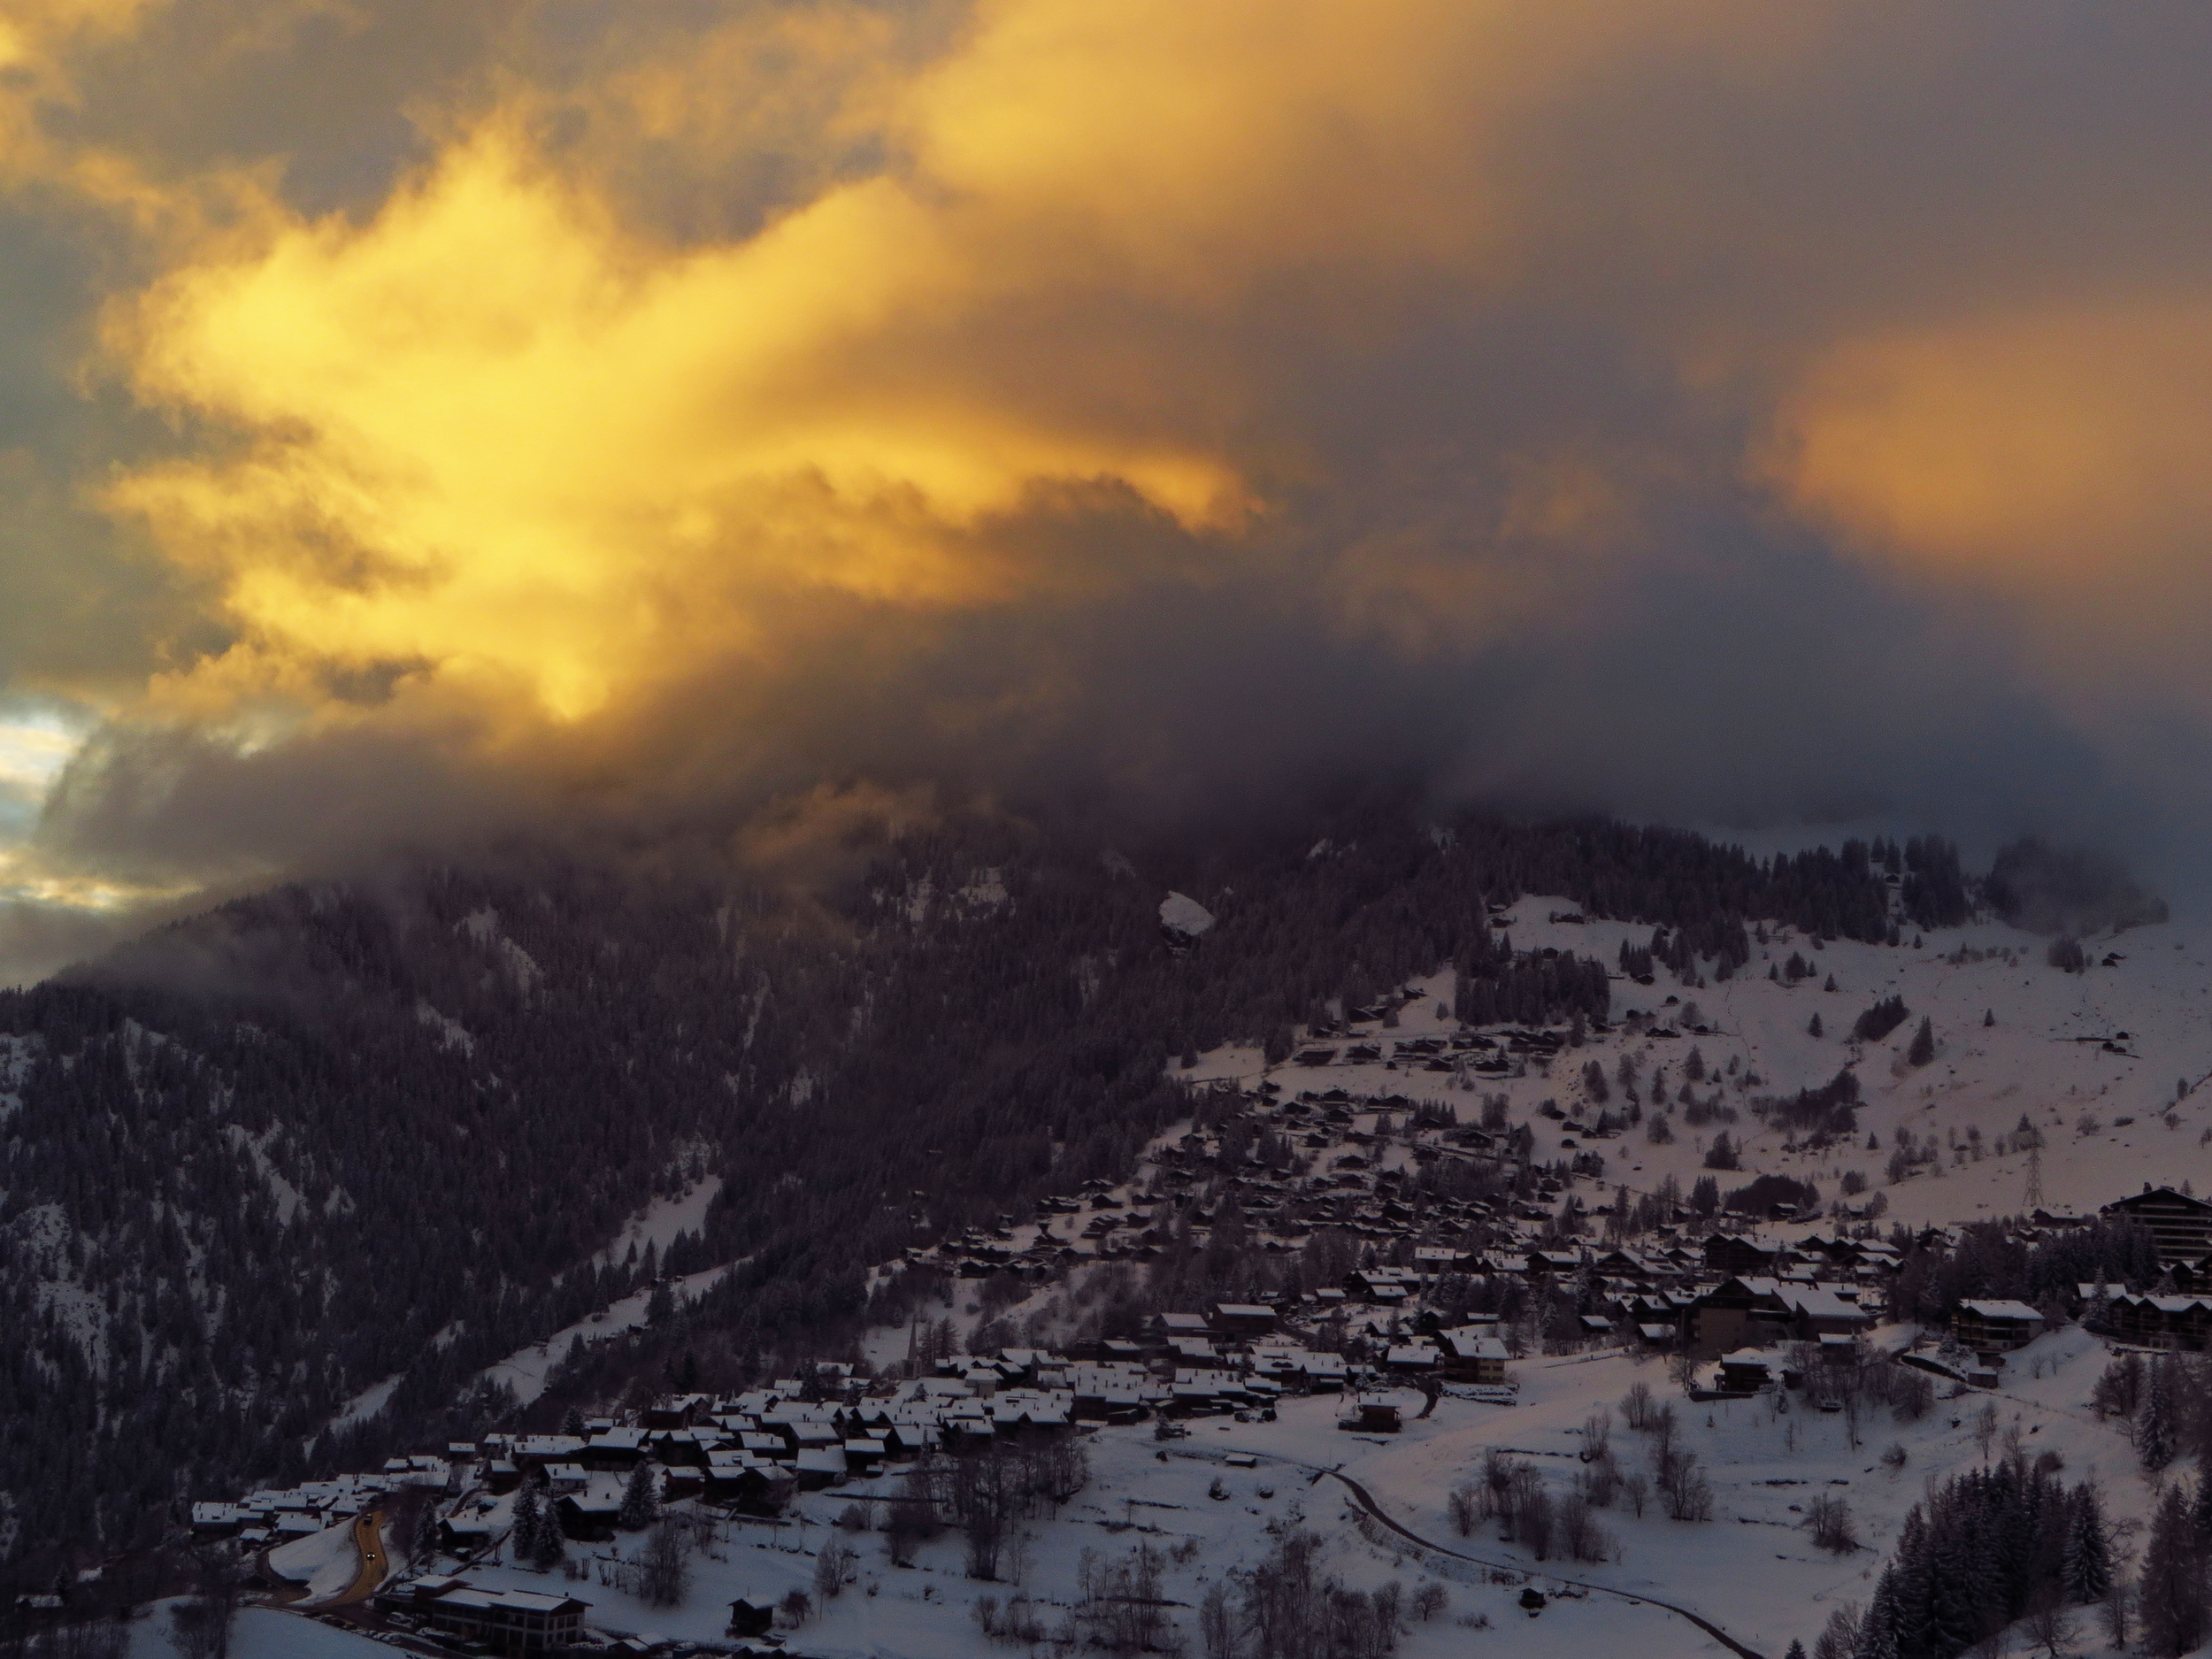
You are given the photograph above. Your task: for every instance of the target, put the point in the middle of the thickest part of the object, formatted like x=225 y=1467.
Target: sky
x=420 y=423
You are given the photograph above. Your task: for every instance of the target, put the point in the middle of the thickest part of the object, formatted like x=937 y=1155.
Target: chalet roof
x=2001 y=1310
x=521 y=1600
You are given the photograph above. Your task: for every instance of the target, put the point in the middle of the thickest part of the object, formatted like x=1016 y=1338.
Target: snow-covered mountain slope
x=2075 y=1054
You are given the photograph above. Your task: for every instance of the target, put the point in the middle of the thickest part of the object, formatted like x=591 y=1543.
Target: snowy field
x=260 y=1633
x=1753 y=1569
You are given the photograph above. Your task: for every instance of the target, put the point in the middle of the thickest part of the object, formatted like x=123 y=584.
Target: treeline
x=1988 y=1549
x=1988 y=1263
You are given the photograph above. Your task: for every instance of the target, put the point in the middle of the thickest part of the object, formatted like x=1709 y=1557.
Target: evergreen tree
x=2155 y=1428
x=1909 y=1619
x=1959 y=1576
x=1813 y=1027
x=2171 y=1598
x=1923 y=1050
x=573 y=1424
x=641 y=1503
x=522 y=1538
x=2085 y=1573
x=1878 y=1632
x=547 y=1545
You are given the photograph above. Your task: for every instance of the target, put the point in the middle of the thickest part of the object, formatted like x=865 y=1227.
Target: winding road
x=1366 y=1500
x=368 y=1542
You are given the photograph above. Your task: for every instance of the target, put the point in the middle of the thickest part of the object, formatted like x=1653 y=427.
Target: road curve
x=369 y=1544
x=1366 y=1500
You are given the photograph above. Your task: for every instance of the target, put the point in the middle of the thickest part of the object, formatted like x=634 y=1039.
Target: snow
x=526 y=1370
x=660 y=1222
x=450 y=1031
x=325 y=1562
x=984 y=893
x=1752 y=1570
x=285 y=1195
x=985 y=890
x=367 y=1403
x=1185 y=915
x=482 y=924
x=260 y=1633
x=17 y=1055
x=2030 y=1061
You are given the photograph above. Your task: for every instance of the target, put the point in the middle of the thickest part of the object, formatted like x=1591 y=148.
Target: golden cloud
x=2059 y=455
x=509 y=432
x=643 y=360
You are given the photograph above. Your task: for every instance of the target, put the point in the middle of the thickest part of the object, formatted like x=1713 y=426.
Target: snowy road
x=1366 y=1500
x=368 y=1541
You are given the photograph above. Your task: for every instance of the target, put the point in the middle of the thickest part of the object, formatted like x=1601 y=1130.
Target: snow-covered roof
x=2001 y=1311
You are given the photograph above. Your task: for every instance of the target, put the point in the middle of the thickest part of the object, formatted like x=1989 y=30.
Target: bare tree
x=1830 y=1519
x=1579 y=1534
x=1218 y=1623
x=1689 y=1495
x=833 y=1566
x=1636 y=1407
x=663 y=1577
x=200 y=1626
x=1532 y=1522
x=1985 y=1429
x=2051 y=1624
x=1840 y=1639
x=1464 y=1506
x=1597 y=1434
x=1120 y=1605
x=2116 y=1613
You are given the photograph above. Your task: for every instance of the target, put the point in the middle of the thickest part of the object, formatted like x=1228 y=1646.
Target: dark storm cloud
x=1175 y=408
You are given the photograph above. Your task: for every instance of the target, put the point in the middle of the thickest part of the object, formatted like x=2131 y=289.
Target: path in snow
x=1366 y=1500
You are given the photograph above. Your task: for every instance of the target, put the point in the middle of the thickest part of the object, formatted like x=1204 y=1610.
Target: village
x=1381 y=1273
x=1734 y=1311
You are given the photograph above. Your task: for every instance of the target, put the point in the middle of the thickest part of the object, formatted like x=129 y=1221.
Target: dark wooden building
x=2181 y=1225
